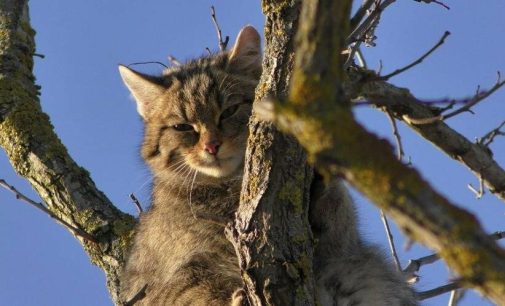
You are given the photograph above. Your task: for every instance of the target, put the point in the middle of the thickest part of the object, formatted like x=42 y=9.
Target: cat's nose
x=213 y=146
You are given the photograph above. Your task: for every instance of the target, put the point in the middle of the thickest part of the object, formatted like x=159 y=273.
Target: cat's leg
x=205 y=280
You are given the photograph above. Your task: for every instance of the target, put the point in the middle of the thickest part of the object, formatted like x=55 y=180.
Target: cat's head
x=196 y=114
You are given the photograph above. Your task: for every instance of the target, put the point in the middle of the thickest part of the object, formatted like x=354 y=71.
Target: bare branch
x=419 y=60
x=365 y=31
x=468 y=104
x=435 y=1
x=408 y=108
x=438 y=291
x=456 y=296
x=391 y=241
x=361 y=12
x=149 y=62
x=76 y=231
x=399 y=146
x=416 y=264
x=358 y=33
x=477 y=98
x=137 y=203
x=478 y=193
x=222 y=44
x=487 y=139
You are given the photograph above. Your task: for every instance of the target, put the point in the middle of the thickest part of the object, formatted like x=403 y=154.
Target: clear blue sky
x=42 y=264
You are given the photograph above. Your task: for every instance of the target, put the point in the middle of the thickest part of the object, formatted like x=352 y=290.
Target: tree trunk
x=271 y=233
x=319 y=114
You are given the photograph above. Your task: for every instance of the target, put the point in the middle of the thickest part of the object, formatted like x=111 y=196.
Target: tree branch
x=222 y=43
x=419 y=60
x=438 y=291
x=37 y=154
x=316 y=101
x=76 y=231
x=404 y=106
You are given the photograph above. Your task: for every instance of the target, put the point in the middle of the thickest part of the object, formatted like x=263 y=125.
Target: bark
x=404 y=106
x=319 y=114
x=37 y=154
x=271 y=233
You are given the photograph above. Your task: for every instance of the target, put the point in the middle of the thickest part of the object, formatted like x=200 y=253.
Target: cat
x=195 y=135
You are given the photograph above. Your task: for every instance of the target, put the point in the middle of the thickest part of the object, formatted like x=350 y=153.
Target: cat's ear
x=245 y=56
x=144 y=88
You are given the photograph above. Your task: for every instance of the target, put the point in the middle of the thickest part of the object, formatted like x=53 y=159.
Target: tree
x=68 y=191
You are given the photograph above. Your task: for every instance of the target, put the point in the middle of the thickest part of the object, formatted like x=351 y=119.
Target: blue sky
x=83 y=41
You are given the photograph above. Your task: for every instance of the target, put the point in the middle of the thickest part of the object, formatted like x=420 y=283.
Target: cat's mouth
x=219 y=167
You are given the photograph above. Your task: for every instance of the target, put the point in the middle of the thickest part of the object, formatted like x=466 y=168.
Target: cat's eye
x=229 y=111
x=183 y=127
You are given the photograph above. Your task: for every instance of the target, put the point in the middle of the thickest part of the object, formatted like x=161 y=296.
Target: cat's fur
x=195 y=136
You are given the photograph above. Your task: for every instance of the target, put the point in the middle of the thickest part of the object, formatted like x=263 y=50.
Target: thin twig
x=365 y=29
x=361 y=12
x=487 y=139
x=399 y=147
x=150 y=62
x=456 y=296
x=419 y=60
x=39 y=55
x=416 y=264
x=468 y=104
x=137 y=203
x=436 y=2
x=174 y=61
x=76 y=231
x=452 y=298
x=222 y=44
x=438 y=291
x=479 y=96
x=478 y=193
x=391 y=241
x=358 y=33
x=361 y=59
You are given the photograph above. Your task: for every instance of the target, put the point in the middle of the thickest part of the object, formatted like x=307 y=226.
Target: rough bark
x=319 y=114
x=271 y=233
x=37 y=154
x=404 y=106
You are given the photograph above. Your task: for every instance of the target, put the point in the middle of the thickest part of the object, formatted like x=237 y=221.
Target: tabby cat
x=195 y=119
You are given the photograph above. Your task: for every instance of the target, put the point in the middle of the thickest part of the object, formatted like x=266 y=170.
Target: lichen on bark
x=36 y=153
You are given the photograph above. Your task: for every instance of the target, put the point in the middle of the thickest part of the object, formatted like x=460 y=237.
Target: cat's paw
x=239 y=298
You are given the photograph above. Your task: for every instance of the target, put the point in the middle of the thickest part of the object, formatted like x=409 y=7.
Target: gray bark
x=271 y=233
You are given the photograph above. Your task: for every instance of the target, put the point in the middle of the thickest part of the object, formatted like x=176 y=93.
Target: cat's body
x=195 y=135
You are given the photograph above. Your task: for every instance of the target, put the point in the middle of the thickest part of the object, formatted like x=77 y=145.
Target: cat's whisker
x=222 y=82
x=190 y=191
x=150 y=177
x=180 y=171
x=186 y=176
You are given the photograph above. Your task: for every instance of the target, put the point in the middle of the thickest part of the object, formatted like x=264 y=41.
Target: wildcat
x=195 y=136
